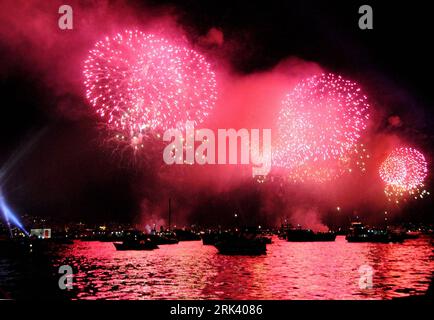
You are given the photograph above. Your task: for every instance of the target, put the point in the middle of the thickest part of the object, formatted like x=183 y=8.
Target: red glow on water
x=190 y=270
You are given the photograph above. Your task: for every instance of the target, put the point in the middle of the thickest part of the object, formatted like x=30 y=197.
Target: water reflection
x=190 y=270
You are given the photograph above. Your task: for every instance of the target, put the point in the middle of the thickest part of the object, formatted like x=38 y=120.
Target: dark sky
x=65 y=174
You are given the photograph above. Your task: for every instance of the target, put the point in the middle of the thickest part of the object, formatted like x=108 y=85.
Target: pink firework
x=140 y=83
x=319 y=126
x=404 y=171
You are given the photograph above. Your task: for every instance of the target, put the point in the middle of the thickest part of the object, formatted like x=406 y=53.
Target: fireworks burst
x=404 y=172
x=319 y=126
x=141 y=84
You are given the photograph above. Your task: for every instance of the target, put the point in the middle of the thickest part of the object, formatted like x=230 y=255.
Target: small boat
x=186 y=235
x=307 y=235
x=245 y=242
x=360 y=233
x=135 y=245
x=241 y=246
x=135 y=240
x=412 y=234
x=210 y=238
x=375 y=237
x=163 y=239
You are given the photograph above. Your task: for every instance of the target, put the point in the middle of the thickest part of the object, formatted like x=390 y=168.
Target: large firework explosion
x=141 y=85
x=403 y=172
x=319 y=128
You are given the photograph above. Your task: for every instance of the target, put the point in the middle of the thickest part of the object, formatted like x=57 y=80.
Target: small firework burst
x=403 y=172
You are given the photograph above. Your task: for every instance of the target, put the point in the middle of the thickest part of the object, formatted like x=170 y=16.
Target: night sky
x=65 y=172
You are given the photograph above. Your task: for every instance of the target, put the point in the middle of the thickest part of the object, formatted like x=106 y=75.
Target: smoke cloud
x=208 y=194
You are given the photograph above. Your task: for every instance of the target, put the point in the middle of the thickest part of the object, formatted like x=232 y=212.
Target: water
x=190 y=270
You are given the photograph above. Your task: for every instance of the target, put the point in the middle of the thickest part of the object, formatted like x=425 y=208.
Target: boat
x=412 y=234
x=246 y=242
x=358 y=232
x=135 y=240
x=210 y=238
x=307 y=235
x=241 y=246
x=186 y=235
x=135 y=245
x=164 y=238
